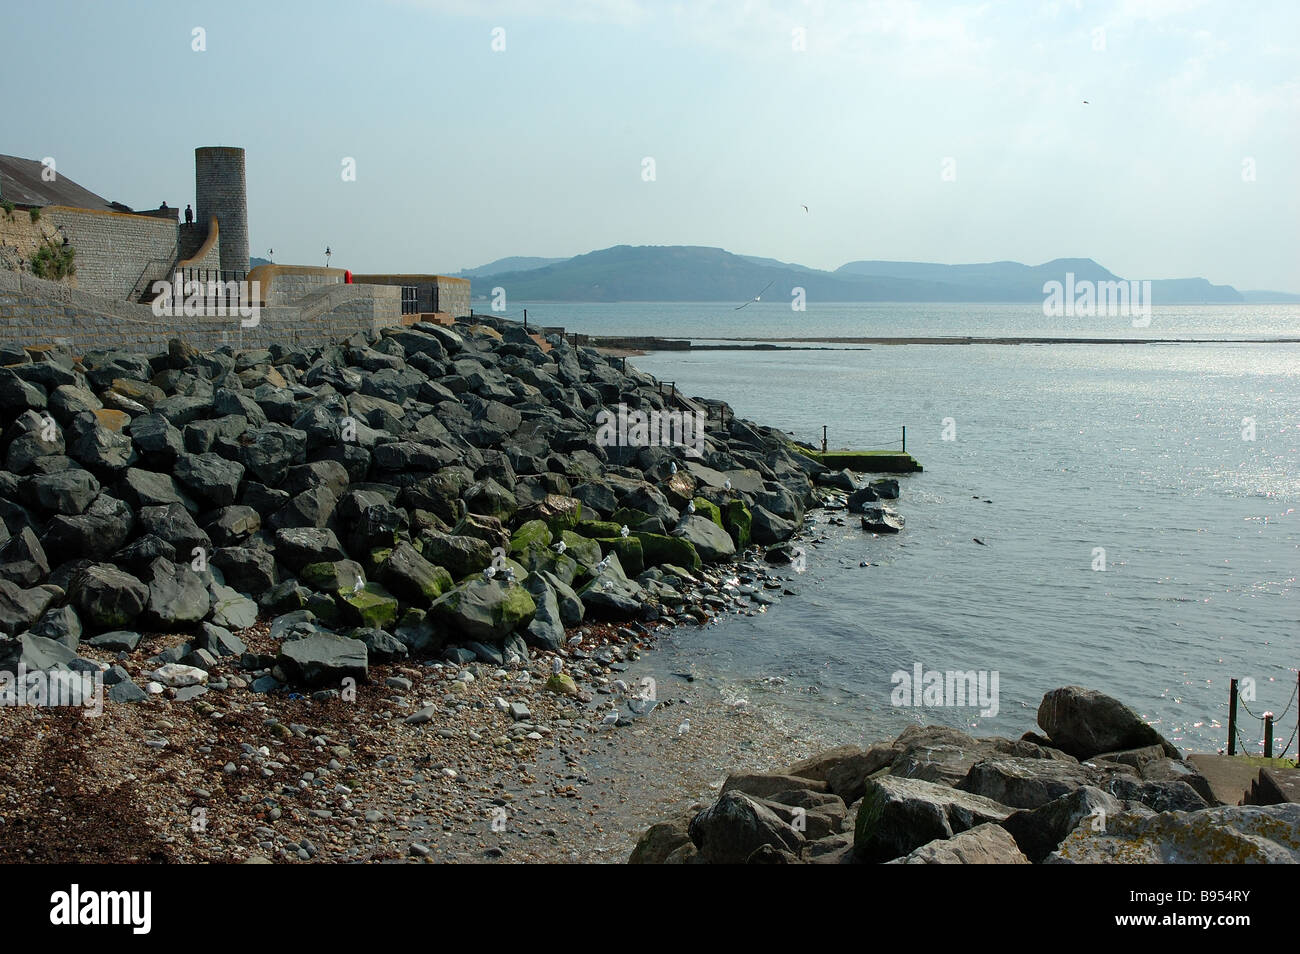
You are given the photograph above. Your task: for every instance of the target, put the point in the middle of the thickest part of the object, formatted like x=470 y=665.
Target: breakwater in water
x=343 y=592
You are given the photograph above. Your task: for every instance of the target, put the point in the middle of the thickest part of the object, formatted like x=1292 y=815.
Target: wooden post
x=823 y=438
x=525 y=319
x=1232 y=717
x=1268 y=735
x=904 y=438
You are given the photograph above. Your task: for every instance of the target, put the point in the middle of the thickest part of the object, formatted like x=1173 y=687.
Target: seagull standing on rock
x=726 y=484
x=690 y=507
x=557 y=665
x=575 y=641
x=488 y=573
x=672 y=467
x=560 y=547
x=684 y=728
x=624 y=531
x=611 y=718
x=602 y=566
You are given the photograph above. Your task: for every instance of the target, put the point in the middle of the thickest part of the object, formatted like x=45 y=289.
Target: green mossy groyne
x=865 y=461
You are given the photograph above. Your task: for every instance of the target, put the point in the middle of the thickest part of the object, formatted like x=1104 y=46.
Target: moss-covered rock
x=562 y=683
x=737 y=521
x=484 y=609
x=629 y=552
x=707 y=508
x=534 y=533
x=629 y=517
x=658 y=550
x=334 y=577
x=413 y=578
x=597 y=529
x=582 y=549
x=371 y=607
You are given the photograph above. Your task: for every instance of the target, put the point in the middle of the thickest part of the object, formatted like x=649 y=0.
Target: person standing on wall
x=189 y=215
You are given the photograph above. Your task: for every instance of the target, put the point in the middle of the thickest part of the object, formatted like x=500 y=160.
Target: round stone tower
x=220 y=189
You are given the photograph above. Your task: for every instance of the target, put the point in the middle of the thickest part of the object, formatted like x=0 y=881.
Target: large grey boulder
x=177 y=595
x=323 y=659
x=736 y=826
x=108 y=598
x=881 y=519
x=23 y=560
x=898 y=815
x=546 y=630
x=20 y=607
x=485 y=609
x=1086 y=723
x=985 y=844
x=713 y=544
x=1032 y=783
x=1039 y=831
x=1232 y=835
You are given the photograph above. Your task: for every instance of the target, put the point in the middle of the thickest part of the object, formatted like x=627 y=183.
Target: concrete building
x=119 y=253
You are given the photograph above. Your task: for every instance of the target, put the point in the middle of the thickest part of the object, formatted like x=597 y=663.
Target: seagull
x=576 y=640
x=611 y=718
x=602 y=566
x=756 y=297
x=672 y=467
x=726 y=484
x=560 y=547
x=690 y=507
x=557 y=665
x=684 y=728
x=979 y=541
x=805 y=208
x=623 y=531
x=508 y=574
x=488 y=573
x=608 y=584
x=620 y=686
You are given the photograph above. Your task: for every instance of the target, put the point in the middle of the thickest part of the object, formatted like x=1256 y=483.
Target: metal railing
x=410 y=300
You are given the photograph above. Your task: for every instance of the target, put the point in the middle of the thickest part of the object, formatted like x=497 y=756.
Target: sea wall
x=34 y=311
x=116 y=250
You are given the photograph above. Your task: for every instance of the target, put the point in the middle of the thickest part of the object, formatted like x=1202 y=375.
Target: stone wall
x=200 y=246
x=452 y=296
x=114 y=249
x=434 y=293
x=286 y=284
x=33 y=312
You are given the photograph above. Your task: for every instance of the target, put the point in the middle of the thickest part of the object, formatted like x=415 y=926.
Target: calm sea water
x=1059 y=450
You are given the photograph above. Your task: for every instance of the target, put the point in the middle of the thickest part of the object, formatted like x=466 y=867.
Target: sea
x=1124 y=517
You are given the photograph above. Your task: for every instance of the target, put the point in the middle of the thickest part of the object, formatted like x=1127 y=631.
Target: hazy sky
x=465 y=153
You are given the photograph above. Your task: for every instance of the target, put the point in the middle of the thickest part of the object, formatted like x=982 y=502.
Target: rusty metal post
x=1268 y=735
x=823 y=438
x=904 y=438
x=1232 y=717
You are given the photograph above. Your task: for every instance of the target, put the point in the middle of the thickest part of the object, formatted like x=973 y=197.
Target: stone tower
x=220 y=189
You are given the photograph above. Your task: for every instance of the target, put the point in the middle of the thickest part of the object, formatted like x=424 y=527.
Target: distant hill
x=517 y=263
x=1258 y=297
x=254 y=261
x=699 y=273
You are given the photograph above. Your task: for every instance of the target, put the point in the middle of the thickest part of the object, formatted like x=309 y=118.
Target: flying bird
x=1086 y=103
x=805 y=208
x=756 y=297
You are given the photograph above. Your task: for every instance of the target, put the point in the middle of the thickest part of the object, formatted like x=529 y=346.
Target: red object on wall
x=347 y=278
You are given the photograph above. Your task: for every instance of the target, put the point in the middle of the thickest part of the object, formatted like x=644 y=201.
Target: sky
x=478 y=129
